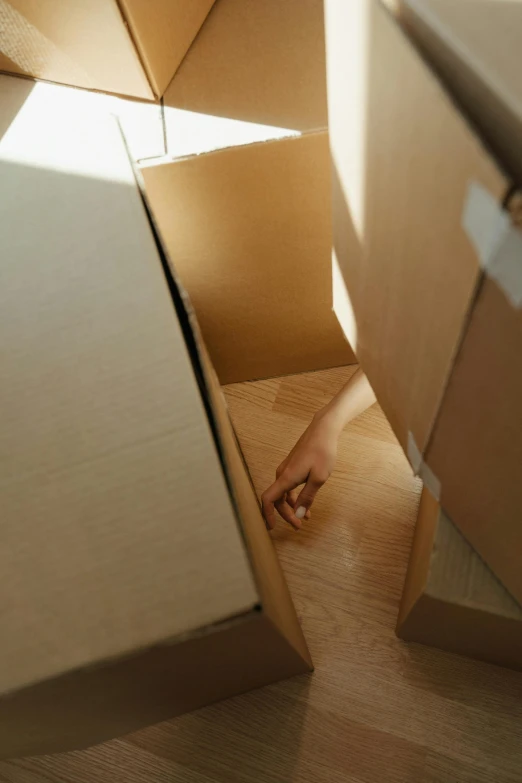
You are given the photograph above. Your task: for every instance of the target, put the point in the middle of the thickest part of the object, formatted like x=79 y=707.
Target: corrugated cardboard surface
x=476 y=449
x=163 y=31
x=452 y=600
x=249 y=229
x=257 y=60
x=127 y=47
x=80 y=42
x=402 y=159
x=476 y=47
x=117 y=527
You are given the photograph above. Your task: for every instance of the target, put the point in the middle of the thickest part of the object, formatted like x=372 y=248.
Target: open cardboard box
x=248 y=229
x=452 y=600
x=139 y=580
x=428 y=273
x=128 y=47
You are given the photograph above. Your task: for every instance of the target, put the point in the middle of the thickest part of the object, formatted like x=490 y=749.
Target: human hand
x=310 y=462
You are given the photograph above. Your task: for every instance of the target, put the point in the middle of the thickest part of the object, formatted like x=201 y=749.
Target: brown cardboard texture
x=476 y=447
x=263 y=62
x=402 y=160
x=452 y=600
x=438 y=338
x=127 y=47
x=138 y=579
x=476 y=47
x=250 y=231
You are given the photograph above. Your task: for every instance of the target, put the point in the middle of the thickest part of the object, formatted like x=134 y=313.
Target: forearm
x=354 y=398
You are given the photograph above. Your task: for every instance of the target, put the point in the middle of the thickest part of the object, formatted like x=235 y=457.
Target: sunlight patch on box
x=342 y=304
x=191 y=133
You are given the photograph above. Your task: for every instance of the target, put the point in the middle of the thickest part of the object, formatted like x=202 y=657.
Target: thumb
x=307 y=496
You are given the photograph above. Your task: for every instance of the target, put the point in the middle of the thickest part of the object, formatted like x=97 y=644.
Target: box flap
x=476 y=46
x=257 y=61
x=83 y=43
x=250 y=231
x=275 y=596
x=163 y=31
x=118 y=531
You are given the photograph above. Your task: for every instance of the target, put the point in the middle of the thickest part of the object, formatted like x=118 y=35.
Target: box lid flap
x=117 y=528
x=82 y=43
x=163 y=31
x=262 y=62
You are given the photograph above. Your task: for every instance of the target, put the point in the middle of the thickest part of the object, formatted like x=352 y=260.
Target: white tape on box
x=497 y=241
x=414 y=455
x=421 y=469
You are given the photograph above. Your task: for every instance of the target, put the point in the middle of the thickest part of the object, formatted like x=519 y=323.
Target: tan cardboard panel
x=8 y=65
x=257 y=60
x=476 y=47
x=464 y=630
x=275 y=597
x=80 y=42
x=402 y=159
x=477 y=443
x=457 y=573
x=118 y=531
x=452 y=600
x=99 y=703
x=249 y=230
x=419 y=564
x=163 y=31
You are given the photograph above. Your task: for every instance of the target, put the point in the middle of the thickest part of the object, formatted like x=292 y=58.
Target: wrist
x=330 y=417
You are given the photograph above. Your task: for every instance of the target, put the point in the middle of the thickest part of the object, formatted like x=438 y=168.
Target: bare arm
x=312 y=459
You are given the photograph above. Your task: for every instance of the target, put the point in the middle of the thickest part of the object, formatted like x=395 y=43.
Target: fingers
x=287 y=513
x=275 y=497
x=291 y=499
x=307 y=495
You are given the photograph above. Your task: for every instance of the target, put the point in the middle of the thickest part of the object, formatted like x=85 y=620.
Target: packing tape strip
x=497 y=241
x=421 y=469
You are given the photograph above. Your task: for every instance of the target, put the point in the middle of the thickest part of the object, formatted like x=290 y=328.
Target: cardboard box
x=452 y=600
x=257 y=60
x=427 y=270
x=250 y=231
x=476 y=46
x=138 y=579
x=127 y=47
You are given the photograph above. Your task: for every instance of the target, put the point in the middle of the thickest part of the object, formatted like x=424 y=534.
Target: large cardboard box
x=138 y=579
x=127 y=47
x=250 y=230
x=452 y=600
x=262 y=61
x=427 y=270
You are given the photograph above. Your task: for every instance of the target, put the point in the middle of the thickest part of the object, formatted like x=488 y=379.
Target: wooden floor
x=376 y=710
